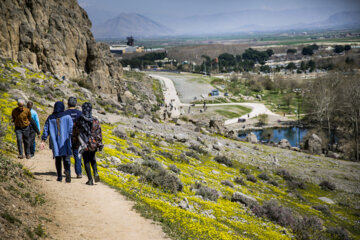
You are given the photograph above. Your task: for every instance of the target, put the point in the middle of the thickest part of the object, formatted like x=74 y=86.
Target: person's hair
x=21 y=101
x=30 y=105
x=72 y=101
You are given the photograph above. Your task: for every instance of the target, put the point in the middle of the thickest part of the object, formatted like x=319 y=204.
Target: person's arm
x=36 y=119
x=45 y=134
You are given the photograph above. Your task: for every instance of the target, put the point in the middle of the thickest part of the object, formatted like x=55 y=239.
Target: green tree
x=291 y=51
x=338 y=49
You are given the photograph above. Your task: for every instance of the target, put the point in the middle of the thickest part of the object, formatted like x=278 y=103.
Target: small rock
x=218 y=146
x=327 y=200
x=331 y=154
x=296 y=149
x=181 y=137
x=243 y=198
x=215 y=172
x=163 y=144
x=184 y=204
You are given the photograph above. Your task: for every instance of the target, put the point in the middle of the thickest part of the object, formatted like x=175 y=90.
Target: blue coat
x=61 y=140
x=35 y=116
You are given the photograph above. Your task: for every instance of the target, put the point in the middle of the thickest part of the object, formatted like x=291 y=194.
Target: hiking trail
x=82 y=212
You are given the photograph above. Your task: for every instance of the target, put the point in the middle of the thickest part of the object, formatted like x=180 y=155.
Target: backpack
x=95 y=138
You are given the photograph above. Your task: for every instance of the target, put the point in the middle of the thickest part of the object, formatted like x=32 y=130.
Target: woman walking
x=59 y=127
x=87 y=137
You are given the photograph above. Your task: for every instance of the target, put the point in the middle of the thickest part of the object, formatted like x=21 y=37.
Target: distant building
x=122 y=49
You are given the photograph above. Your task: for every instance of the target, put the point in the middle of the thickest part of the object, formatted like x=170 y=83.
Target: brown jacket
x=21 y=118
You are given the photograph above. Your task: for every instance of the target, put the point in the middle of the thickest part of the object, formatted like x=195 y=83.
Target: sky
x=181 y=8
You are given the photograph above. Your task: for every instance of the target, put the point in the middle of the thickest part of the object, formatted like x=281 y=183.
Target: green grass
x=233 y=111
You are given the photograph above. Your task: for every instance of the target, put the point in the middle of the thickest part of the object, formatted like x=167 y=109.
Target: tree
x=270 y=52
x=291 y=66
x=338 y=49
x=291 y=51
x=265 y=69
x=307 y=51
x=288 y=99
x=347 y=47
x=263 y=119
x=311 y=65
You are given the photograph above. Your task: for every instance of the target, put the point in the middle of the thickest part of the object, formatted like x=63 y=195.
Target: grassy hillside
x=206 y=186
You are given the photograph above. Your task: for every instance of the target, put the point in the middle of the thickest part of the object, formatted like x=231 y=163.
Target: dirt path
x=82 y=212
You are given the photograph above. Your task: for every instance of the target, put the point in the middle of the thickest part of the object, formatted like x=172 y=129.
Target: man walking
x=75 y=114
x=21 y=117
x=33 y=131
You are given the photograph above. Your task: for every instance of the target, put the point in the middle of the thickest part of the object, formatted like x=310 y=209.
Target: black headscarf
x=87 y=111
x=58 y=112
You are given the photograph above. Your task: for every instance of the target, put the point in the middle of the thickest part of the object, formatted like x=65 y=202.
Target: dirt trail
x=80 y=212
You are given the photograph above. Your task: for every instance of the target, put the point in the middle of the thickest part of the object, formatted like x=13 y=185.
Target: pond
x=293 y=134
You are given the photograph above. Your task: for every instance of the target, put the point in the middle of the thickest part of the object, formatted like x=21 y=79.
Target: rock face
x=54 y=36
x=314 y=144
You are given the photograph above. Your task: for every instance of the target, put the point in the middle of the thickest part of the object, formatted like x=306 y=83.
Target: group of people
x=71 y=132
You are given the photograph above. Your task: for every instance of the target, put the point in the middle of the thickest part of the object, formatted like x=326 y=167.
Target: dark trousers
x=89 y=158
x=66 y=162
x=32 y=142
x=78 y=170
x=23 y=136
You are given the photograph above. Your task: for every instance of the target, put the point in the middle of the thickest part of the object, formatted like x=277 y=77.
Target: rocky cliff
x=54 y=36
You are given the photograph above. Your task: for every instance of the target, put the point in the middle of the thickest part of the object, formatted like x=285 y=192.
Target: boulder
x=331 y=154
x=251 y=137
x=326 y=200
x=218 y=146
x=314 y=144
x=181 y=137
x=284 y=143
x=115 y=160
x=243 y=198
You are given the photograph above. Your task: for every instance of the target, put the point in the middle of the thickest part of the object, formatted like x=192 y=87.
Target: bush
x=183 y=158
x=198 y=149
x=308 y=228
x=244 y=171
x=275 y=212
x=175 y=169
x=223 y=160
x=164 y=179
x=132 y=168
x=274 y=183
x=338 y=233
x=322 y=208
x=264 y=176
x=293 y=184
x=3 y=130
x=153 y=164
x=251 y=178
x=166 y=155
x=192 y=154
x=285 y=174
x=208 y=193
x=239 y=180
x=227 y=183
x=326 y=185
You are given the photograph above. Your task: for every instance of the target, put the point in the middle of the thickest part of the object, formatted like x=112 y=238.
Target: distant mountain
x=130 y=24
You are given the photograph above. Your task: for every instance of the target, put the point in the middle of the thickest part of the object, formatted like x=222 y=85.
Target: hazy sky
x=204 y=7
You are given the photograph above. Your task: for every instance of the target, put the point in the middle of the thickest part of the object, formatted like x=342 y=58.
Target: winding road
x=171 y=97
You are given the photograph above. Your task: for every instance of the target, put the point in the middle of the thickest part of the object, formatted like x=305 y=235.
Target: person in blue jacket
x=59 y=127
x=35 y=118
x=75 y=114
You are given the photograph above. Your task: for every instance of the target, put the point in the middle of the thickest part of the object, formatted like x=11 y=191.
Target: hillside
x=202 y=185
x=55 y=37
x=130 y=24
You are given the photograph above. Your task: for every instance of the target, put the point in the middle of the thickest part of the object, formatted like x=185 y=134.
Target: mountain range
x=126 y=24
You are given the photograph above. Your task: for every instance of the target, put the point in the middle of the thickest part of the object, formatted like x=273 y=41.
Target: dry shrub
x=328 y=186
x=227 y=183
x=223 y=160
x=251 y=178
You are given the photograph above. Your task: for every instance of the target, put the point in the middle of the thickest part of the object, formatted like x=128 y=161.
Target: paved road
x=171 y=96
